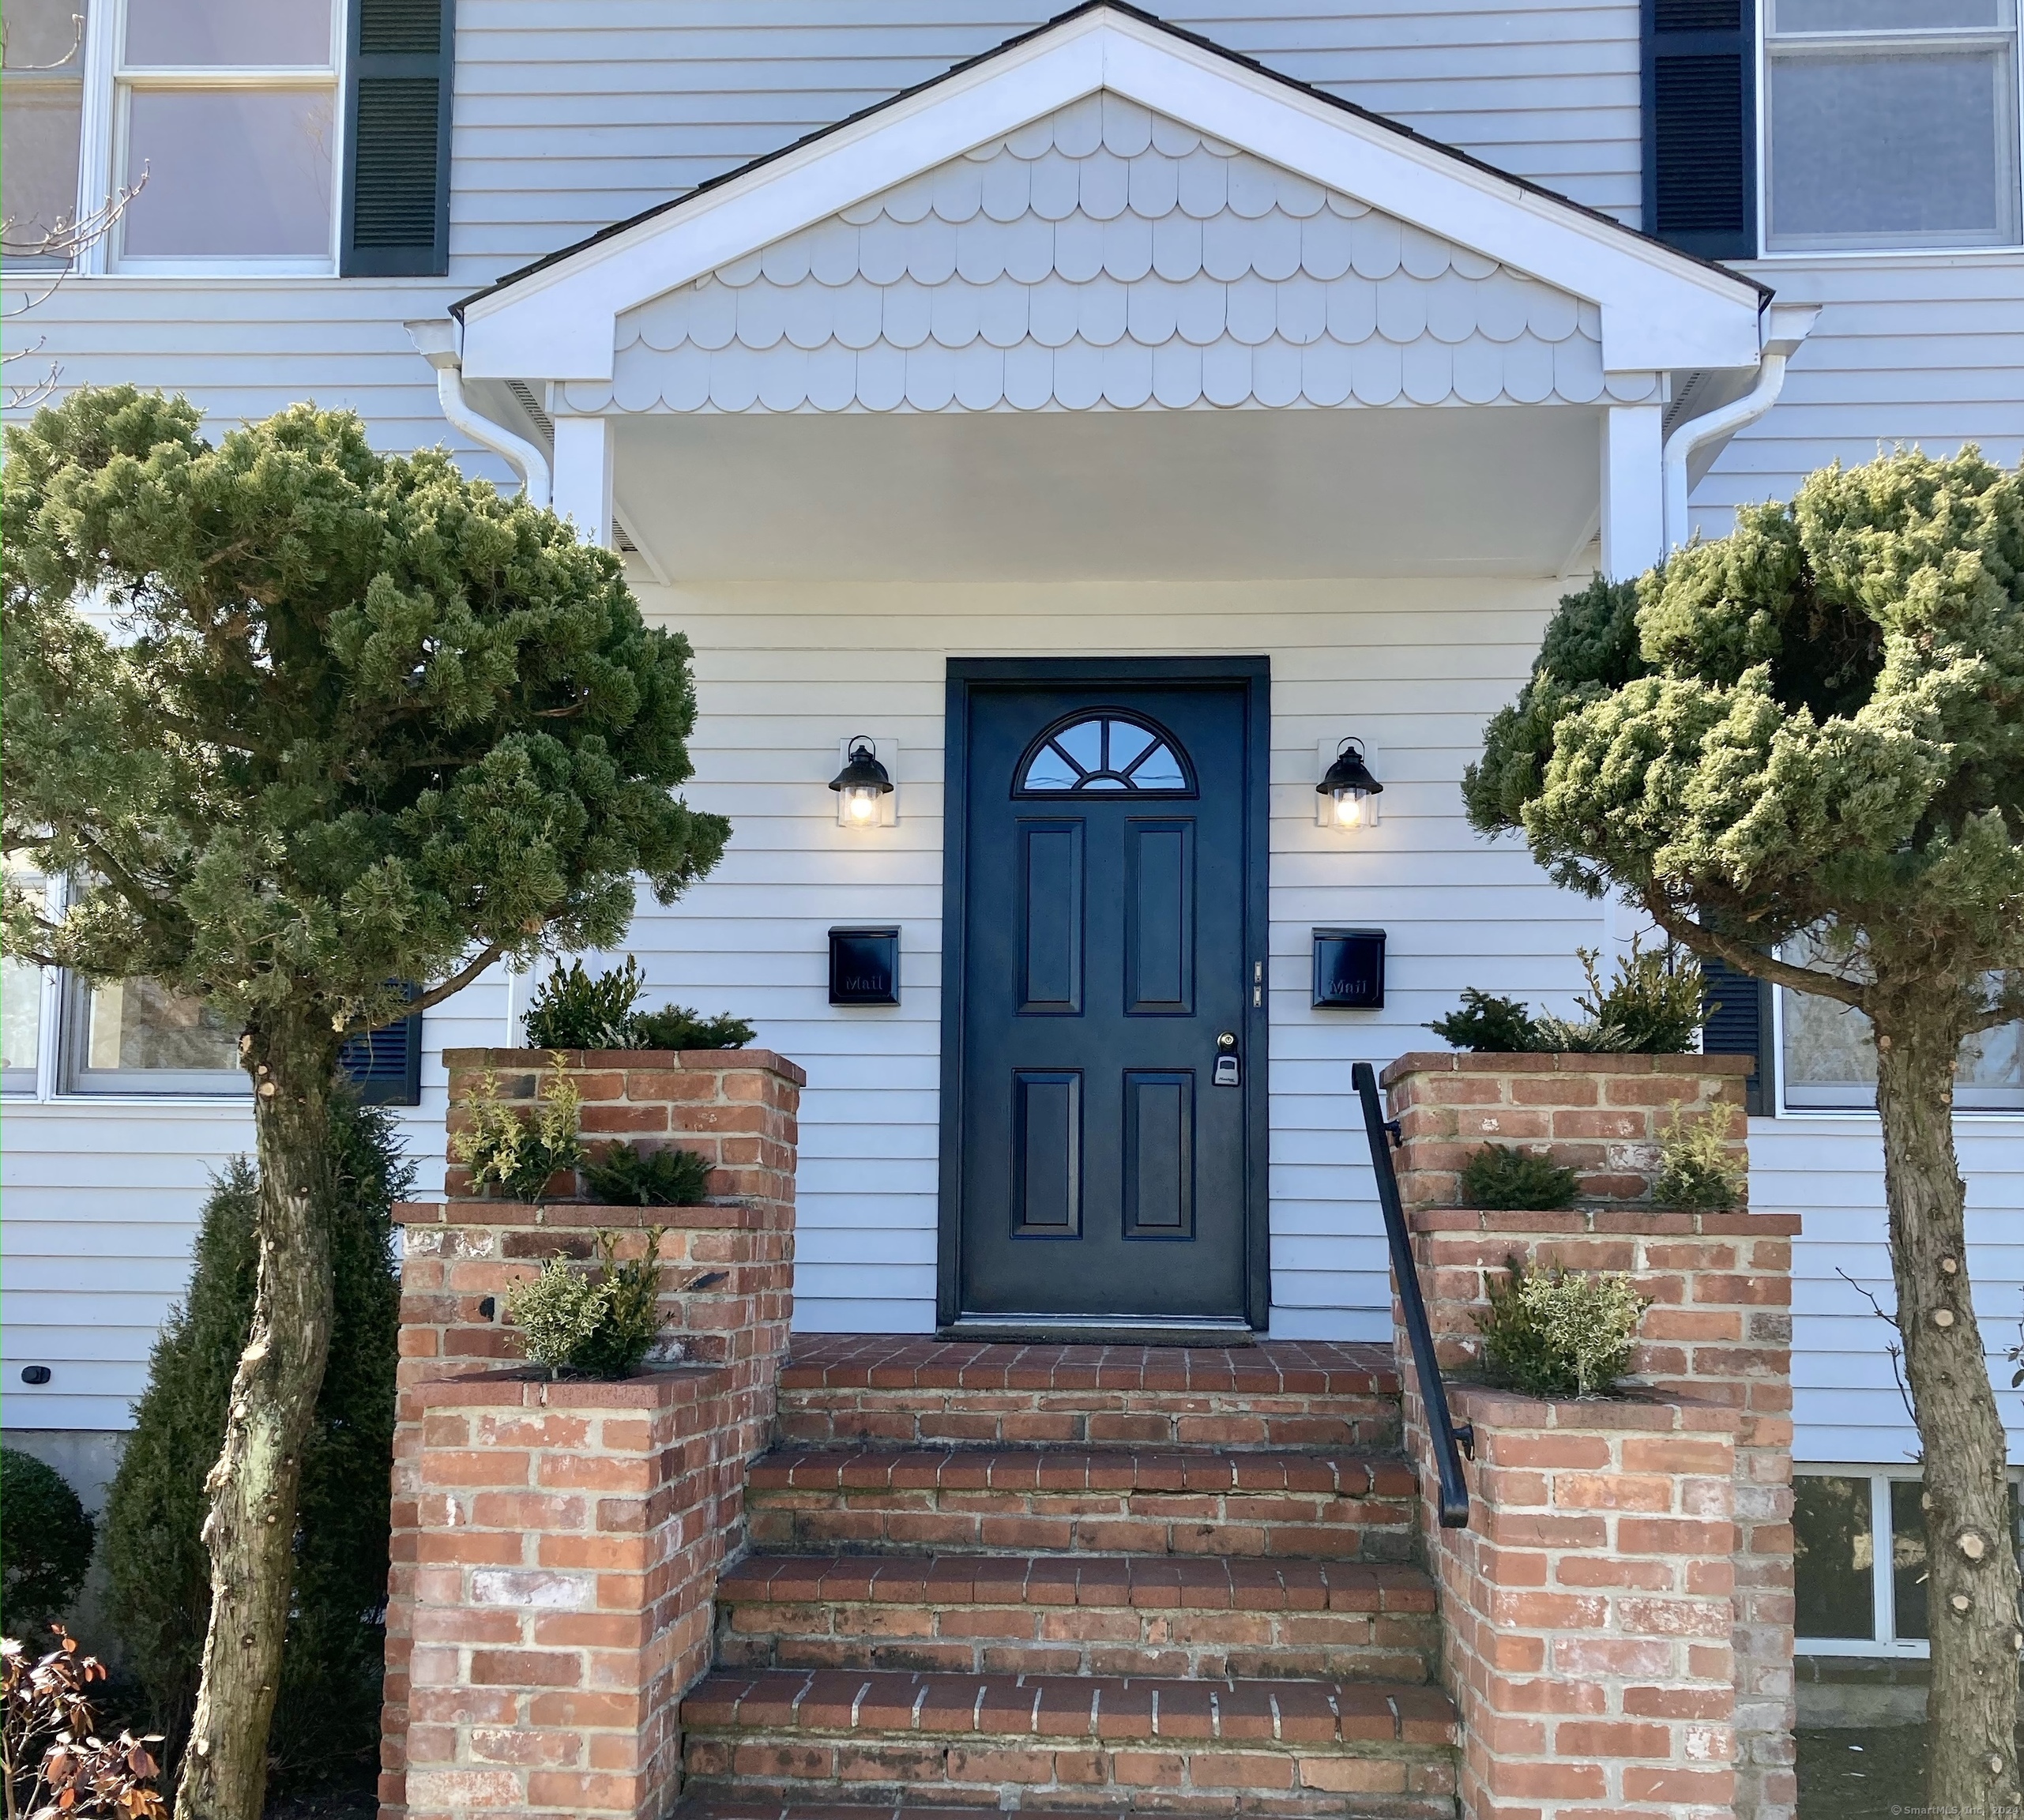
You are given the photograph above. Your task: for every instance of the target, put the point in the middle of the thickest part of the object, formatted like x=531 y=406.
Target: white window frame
x=1786 y=1109
x=109 y=84
x=1762 y=83
x=44 y=1069
x=73 y=1039
x=1885 y=1644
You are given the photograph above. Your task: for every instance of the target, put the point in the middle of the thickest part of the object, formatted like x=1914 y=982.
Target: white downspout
x=436 y=342
x=1789 y=326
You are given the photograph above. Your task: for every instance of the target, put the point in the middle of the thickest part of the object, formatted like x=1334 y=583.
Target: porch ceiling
x=1059 y=495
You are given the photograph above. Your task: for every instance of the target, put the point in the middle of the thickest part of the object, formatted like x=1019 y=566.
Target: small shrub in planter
x=593 y=1326
x=574 y=1009
x=625 y=1177
x=1487 y=1025
x=677 y=1027
x=1653 y=1007
x=45 y=1542
x=1559 y=1333
x=1695 y=1171
x=500 y=1147
x=1518 y=1181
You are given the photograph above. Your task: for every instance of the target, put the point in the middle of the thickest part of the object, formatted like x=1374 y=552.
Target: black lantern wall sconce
x=864 y=786
x=1349 y=792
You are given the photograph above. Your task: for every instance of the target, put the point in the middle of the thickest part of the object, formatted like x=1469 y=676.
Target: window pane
x=1905 y=150
x=230 y=171
x=45 y=34
x=1834 y=1556
x=138 y=1024
x=38 y=162
x=1907 y=1563
x=164 y=34
x=1886 y=15
x=20 y=1011
x=1831 y=1060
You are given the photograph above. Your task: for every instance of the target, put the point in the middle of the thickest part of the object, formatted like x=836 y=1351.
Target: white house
x=1111 y=412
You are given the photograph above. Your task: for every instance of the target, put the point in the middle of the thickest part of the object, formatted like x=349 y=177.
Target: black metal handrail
x=1448 y=1440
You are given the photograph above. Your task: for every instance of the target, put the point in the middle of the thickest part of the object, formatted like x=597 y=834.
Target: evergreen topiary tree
x=327 y=1709
x=357 y=721
x=1815 y=728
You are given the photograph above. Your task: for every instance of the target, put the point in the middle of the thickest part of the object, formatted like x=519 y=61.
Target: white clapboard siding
x=571 y=115
x=1925 y=349
x=243 y=348
x=1830 y=1171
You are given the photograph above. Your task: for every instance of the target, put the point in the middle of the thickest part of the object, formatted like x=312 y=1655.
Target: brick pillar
x=560 y=1602
x=1586 y=1609
x=703 y=1409
x=1720 y=1331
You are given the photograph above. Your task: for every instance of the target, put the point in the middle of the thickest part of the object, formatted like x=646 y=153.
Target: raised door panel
x=1159 y=1154
x=1159 y=908
x=1051 y=918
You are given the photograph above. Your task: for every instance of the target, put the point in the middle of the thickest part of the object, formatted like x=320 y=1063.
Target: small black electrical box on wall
x=1349 y=968
x=864 y=966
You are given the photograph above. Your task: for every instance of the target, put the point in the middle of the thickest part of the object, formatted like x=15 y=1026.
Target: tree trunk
x=1972 y=1570
x=251 y=1530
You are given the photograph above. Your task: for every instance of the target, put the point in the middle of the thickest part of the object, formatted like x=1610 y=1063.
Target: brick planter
x=1600 y=1115
x=736 y=1106
x=556 y=1546
x=1586 y=1609
x=560 y=1602
x=1717 y=1341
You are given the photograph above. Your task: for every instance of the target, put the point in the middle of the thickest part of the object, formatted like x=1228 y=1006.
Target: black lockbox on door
x=864 y=966
x=1349 y=968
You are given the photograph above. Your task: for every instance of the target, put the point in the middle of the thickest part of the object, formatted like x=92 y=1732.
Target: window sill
x=2006 y=252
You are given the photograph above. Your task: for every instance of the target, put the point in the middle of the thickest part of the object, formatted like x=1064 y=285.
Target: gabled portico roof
x=1659 y=309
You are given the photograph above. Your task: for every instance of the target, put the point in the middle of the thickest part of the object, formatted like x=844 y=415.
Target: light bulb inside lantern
x=861 y=804
x=1349 y=807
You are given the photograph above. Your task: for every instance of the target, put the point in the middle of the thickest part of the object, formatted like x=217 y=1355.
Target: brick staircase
x=1053 y=1578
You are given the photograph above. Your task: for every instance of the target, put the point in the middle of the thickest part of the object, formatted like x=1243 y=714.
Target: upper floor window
x=230 y=108
x=42 y=91
x=1890 y=123
x=258 y=136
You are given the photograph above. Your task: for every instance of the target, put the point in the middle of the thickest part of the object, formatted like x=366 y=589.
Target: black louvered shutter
x=396 y=170
x=386 y=1065
x=1700 y=103
x=1740 y=1025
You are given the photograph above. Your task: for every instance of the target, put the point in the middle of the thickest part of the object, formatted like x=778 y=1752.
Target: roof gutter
x=1789 y=324
x=437 y=343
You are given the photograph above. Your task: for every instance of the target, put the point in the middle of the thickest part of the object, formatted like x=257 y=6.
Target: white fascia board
x=1659 y=309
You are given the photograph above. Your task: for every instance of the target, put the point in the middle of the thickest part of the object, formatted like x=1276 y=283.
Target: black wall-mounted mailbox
x=864 y=966
x=1349 y=968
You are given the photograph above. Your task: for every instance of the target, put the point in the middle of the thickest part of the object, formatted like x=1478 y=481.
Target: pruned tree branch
x=1743 y=957
x=458 y=981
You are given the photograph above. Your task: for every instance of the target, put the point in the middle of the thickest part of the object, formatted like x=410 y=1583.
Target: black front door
x=1108 y=1013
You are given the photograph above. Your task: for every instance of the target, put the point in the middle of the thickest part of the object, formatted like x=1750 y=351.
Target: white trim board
x=1661 y=310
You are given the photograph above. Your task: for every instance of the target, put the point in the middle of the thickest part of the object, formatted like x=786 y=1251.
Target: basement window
x=1859 y=1552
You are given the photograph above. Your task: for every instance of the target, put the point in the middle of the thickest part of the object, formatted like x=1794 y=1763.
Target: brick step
x=1335 y=1506
x=1080 y=1615
x=1053 y=1741
x=902 y=1391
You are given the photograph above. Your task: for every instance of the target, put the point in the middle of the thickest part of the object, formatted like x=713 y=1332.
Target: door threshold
x=1100 y=1330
